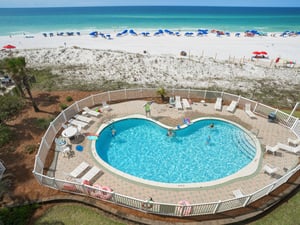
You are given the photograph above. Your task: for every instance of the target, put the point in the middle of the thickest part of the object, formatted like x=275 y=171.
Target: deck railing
x=155 y=207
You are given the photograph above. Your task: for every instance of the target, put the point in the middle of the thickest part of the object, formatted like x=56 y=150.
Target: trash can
x=272 y=117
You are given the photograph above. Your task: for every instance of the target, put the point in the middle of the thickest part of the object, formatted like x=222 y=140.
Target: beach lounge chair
x=91 y=174
x=78 y=123
x=91 y=112
x=186 y=104
x=218 y=104
x=237 y=193
x=83 y=118
x=271 y=149
x=270 y=170
x=249 y=112
x=231 y=108
x=289 y=148
x=178 y=104
x=106 y=106
x=294 y=142
x=82 y=167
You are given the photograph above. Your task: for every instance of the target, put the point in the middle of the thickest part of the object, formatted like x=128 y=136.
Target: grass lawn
x=75 y=214
x=288 y=213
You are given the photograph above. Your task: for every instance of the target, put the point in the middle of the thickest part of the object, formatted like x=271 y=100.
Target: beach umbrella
x=9 y=46
x=264 y=53
x=256 y=53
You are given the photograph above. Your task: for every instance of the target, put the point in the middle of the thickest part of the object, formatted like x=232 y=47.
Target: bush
x=17 y=215
x=30 y=148
x=6 y=134
x=69 y=99
x=63 y=106
x=43 y=123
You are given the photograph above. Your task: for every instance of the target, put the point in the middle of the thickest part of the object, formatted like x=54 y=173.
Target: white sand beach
x=210 y=61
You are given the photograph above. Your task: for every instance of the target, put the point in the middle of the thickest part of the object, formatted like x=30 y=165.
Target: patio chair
x=238 y=193
x=78 y=123
x=106 y=106
x=178 y=104
x=82 y=167
x=270 y=170
x=271 y=149
x=218 y=104
x=83 y=118
x=91 y=112
x=289 y=148
x=294 y=142
x=186 y=104
x=91 y=174
x=249 y=112
x=231 y=108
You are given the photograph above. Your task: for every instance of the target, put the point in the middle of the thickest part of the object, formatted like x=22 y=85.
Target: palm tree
x=162 y=92
x=16 y=68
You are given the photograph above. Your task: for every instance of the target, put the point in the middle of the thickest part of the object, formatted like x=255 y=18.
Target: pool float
x=106 y=193
x=97 y=193
x=184 y=208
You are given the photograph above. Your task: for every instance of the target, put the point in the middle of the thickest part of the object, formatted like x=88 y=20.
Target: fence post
x=217 y=206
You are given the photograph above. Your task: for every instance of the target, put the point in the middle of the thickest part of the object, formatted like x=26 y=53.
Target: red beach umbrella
x=264 y=53
x=256 y=53
x=9 y=46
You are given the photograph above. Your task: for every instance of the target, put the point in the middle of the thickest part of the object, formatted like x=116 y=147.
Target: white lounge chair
x=249 y=112
x=106 y=106
x=178 y=104
x=186 y=104
x=271 y=149
x=90 y=175
x=78 y=123
x=294 y=142
x=91 y=112
x=83 y=118
x=237 y=193
x=270 y=170
x=218 y=104
x=289 y=148
x=79 y=169
x=231 y=108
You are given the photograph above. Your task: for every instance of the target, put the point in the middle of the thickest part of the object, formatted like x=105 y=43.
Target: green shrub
x=69 y=99
x=6 y=134
x=63 y=106
x=43 y=123
x=17 y=215
x=30 y=148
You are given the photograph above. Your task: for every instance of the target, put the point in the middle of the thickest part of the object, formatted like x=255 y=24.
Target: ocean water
x=86 y=19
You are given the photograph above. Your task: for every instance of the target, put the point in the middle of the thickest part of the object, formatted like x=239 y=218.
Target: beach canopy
x=9 y=46
x=264 y=53
x=256 y=53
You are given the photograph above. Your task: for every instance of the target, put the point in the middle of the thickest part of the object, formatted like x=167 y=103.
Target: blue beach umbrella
x=132 y=32
x=94 y=33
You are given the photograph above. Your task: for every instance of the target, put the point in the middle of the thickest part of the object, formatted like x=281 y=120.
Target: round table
x=69 y=132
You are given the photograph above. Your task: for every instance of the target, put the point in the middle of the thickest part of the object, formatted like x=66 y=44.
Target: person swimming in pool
x=211 y=125
x=208 y=140
x=170 y=133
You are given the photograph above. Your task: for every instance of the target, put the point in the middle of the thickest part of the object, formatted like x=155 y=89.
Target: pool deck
x=266 y=132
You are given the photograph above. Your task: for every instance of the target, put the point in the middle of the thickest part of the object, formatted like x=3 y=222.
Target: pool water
x=196 y=153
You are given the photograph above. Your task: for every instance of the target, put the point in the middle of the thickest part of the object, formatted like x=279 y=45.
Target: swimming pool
x=195 y=154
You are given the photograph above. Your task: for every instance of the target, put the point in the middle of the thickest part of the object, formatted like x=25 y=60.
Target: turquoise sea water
x=194 y=154
x=232 y=19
